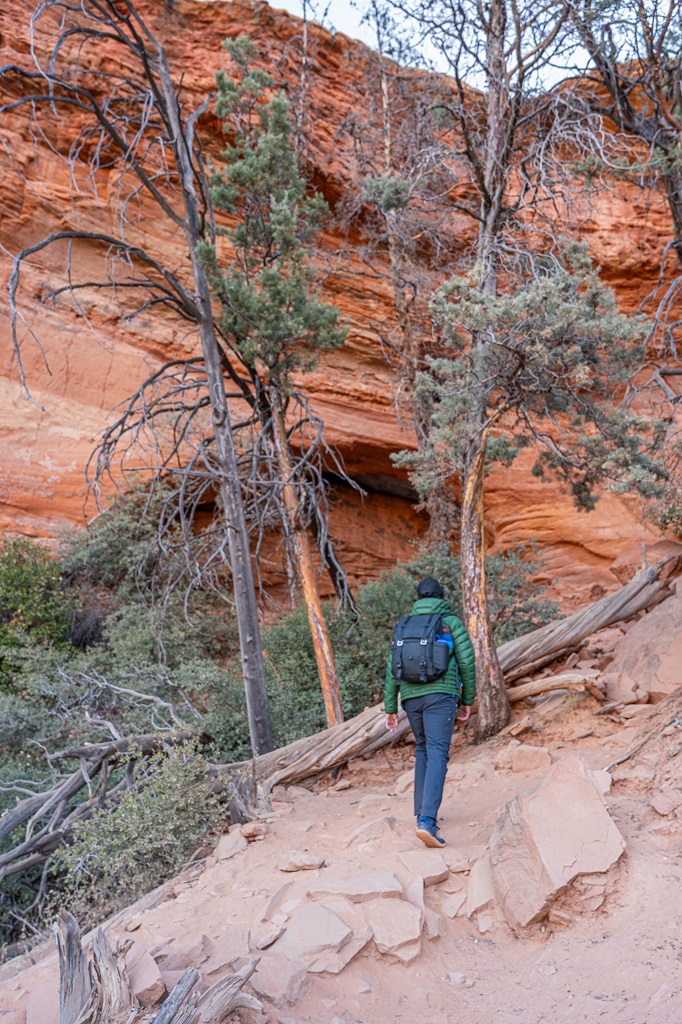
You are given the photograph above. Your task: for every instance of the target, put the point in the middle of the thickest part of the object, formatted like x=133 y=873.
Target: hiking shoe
x=427 y=831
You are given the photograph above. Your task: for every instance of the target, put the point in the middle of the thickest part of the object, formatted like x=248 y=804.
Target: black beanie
x=429 y=588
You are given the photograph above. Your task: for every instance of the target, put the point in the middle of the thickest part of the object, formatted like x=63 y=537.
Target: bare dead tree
x=100 y=64
x=635 y=83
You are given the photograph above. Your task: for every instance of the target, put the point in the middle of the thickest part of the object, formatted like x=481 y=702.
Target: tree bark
x=324 y=655
x=493 y=704
x=260 y=729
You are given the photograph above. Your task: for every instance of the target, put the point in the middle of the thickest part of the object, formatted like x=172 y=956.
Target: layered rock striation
x=91 y=358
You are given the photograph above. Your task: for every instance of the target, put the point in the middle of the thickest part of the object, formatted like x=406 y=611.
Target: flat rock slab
x=526 y=758
x=313 y=931
x=379 y=828
x=547 y=836
x=426 y=864
x=481 y=890
x=281 y=981
x=358 y=888
x=396 y=928
x=144 y=975
x=666 y=801
x=352 y=915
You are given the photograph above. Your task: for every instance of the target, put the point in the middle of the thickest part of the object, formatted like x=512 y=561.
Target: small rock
x=426 y=864
x=453 y=905
x=299 y=860
x=378 y=828
x=358 y=888
x=666 y=801
x=503 y=762
x=134 y=923
x=279 y=923
x=276 y=900
x=254 y=830
x=342 y=785
x=313 y=931
x=435 y=925
x=481 y=892
x=396 y=927
x=282 y=982
x=228 y=846
x=145 y=977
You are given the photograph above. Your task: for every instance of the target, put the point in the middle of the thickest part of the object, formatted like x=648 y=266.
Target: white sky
x=342 y=15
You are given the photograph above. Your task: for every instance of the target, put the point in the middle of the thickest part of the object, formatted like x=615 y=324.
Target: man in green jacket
x=431 y=709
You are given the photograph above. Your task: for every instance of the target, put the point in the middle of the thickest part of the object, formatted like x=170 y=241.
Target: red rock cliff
x=92 y=364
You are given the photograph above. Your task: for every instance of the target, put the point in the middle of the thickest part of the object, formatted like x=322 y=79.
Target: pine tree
x=270 y=308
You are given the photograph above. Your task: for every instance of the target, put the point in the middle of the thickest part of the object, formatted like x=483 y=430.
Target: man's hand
x=464 y=713
x=392 y=723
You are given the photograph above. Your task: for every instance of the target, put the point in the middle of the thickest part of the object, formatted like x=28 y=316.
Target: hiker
x=431 y=704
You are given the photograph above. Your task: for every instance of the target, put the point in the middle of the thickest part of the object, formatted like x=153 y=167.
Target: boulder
x=357 y=888
x=313 y=931
x=281 y=981
x=547 y=836
x=650 y=653
x=396 y=928
x=426 y=864
x=301 y=860
x=526 y=758
x=145 y=978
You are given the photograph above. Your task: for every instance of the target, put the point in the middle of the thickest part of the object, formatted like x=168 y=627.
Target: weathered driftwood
x=100 y=993
x=530 y=652
x=578 y=682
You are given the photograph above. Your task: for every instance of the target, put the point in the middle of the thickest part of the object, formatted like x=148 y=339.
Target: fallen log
x=530 y=652
x=47 y=817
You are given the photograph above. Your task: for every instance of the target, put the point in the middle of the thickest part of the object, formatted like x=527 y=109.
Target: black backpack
x=416 y=655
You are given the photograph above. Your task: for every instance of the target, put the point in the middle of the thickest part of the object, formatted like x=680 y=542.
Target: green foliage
x=34 y=608
x=361 y=646
x=542 y=364
x=126 y=849
x=267 y=293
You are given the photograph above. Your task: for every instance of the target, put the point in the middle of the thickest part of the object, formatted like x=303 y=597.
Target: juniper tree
x=556 y=359
x=271 y=311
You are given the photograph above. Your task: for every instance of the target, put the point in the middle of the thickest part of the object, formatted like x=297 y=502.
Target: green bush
x=34 y=608
x=127 y=849
x=361 y=645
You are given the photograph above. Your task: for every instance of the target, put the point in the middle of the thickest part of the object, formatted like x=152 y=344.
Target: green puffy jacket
x=449 y=683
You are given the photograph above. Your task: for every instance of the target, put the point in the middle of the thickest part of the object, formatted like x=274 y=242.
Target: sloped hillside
x=557 y=897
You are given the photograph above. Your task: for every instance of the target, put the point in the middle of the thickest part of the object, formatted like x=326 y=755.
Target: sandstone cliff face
x=91 y=363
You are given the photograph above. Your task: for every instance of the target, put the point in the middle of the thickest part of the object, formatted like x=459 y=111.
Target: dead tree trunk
x=324 y=655
x=100 y=993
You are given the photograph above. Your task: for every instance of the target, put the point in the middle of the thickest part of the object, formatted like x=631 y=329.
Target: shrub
x=33 y=605
x=124 y=850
